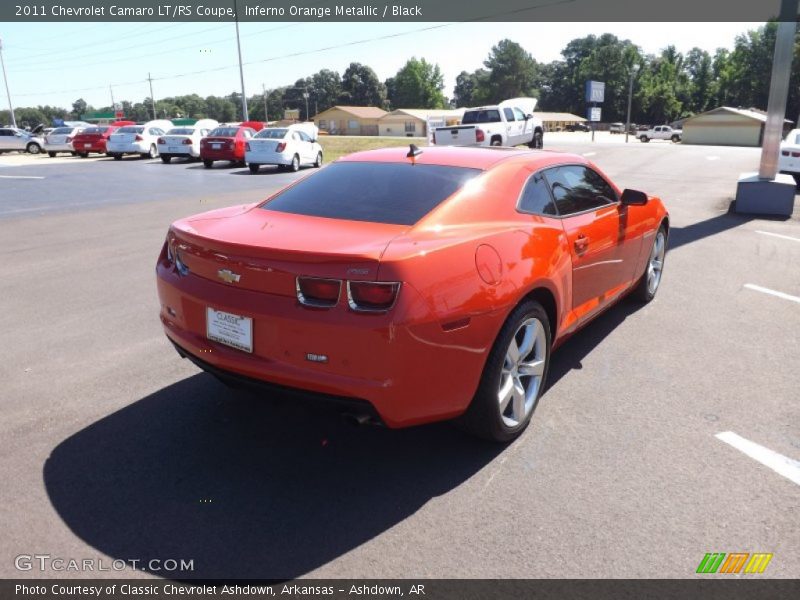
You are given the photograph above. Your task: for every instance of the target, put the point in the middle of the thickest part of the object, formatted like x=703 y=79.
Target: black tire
x=318 y=162
x=51 y=154
x=166 y=158
x=644 y=139
x=496 y=142
x=254 y=168
x=537 y=142
x=483 y=417
x=74 y=153
x=675 y=139
x=153 y=153
x=208 y=164
x=33 y=148
x=83 y=154
x=116 y=156
x=295 y=166
x=643 y=291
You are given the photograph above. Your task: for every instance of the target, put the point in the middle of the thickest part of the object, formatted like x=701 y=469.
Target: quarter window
x=536 y=197
x=577 y=189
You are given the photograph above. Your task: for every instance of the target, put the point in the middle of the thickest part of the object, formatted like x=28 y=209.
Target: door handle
x=581 y=243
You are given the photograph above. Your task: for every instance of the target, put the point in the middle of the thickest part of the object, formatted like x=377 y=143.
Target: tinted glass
x=481 y=116
x=536 y=197
x=509 y=114
x=62 y=130
x=520 y=115
x=223 y=132
x=181 y=131
x=6 y=132
x=304 y=136
x=274 y=134
x=130 y=130
x=396 y=193
x=577 y=189
x=95 y=130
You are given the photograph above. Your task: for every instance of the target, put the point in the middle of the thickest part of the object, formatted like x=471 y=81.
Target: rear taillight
x=138 y=138
x=187 y=142
x=479 y=135
x=247 y=146
x=280 y=147
x=372 y=296
x=161 y=141
x=785 y=152
x=314 y=291
x=795 y=154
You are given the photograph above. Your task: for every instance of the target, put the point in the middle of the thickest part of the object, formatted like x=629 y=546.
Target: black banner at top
x=396 y=10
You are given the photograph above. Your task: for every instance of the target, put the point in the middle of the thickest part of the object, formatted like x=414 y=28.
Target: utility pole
x=634 y=69
x=266 y=112
x=241 y=69
x=305 y=95
x=152 y=98
x=113 y=104
x=8 y=92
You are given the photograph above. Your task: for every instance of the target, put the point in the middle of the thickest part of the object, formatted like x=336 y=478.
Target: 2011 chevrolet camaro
x=413 y=285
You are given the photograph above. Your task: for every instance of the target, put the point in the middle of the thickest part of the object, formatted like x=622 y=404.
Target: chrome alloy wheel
x=656 y=264
x=522 y=372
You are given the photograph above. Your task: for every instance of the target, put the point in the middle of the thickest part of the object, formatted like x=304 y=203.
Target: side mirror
x=633 y=197
x=528 y=116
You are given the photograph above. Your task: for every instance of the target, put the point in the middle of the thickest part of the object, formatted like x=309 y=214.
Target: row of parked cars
x=250 y=142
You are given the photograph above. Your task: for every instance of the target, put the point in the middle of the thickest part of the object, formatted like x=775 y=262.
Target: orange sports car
x=411 y=285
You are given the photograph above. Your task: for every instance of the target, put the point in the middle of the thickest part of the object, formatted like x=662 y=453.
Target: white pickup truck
x=661 y=132
x=509 y=123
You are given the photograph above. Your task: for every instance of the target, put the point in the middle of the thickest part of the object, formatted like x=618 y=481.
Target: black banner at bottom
x=424 y=589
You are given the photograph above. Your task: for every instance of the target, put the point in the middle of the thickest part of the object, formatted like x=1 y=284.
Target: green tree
x=79 y=107
x=512 y=72
x=467 y=85
x=361 y=87
x=327 y=87
x=418 y=84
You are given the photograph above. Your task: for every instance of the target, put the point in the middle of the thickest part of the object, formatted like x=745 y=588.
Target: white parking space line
x=763 y=290
x=769 y=458
x=778 y=235
x=20 y=177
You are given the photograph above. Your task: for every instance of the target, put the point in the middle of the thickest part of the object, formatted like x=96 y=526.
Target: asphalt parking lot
x=114 y=448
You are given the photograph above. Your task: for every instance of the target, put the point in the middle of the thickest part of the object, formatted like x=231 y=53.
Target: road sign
x=595 y=114
x=595 y=91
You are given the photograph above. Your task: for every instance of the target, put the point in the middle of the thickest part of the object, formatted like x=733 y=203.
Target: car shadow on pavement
x=246 y=488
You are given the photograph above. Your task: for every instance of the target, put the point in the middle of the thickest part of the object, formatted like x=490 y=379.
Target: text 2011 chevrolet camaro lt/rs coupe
x=414 y=285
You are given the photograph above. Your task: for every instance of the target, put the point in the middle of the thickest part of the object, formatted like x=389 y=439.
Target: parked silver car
x=19 y=140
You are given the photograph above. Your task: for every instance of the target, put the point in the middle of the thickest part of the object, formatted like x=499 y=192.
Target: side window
x=304 y=136
x=577 y=189
x=509 y=114
x=203 y=132
x=247 y=133
x=155 y=131
x=536 y=197
x=5 y=132
x=519 y=114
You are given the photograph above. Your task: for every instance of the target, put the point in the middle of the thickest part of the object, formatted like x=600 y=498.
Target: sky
x=57 y=63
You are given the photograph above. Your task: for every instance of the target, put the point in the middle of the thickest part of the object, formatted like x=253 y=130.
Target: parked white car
x=19 y=140
x=510 y=123
x=661 y=132
x=184 y=141
x=288 y=147
x=789 y=157
x=60 y=140
x=137 y=139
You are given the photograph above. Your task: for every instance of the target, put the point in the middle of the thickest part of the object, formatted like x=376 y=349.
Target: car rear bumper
x=403 y=363
x=134 y=148
x=229 y=154
x=178 y=151
x=58 y=148
x=269 y=158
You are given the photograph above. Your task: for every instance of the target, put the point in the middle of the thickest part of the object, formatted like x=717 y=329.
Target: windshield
x=393 y=193
x=275 y=134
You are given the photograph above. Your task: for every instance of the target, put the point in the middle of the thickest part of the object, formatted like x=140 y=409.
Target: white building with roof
x=727 y=126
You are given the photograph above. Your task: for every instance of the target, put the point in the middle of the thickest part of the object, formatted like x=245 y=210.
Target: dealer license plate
x=216 y=146
x=232 y=330
x=87 y=145
x=174 y=148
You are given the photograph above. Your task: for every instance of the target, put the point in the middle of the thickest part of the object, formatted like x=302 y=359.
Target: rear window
x=274 y=134
x=481 y=116
x=61 y=130
x=95 y=130
x=181 y=131
x=130 y=130
x=393 y=193
x=224 y=132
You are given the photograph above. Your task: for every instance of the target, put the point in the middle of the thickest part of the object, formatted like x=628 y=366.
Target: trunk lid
x=267 y=250
x=264 y=145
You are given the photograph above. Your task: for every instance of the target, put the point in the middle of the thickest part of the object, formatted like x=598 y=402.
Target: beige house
x=726 y=126
x=414 y=122
x=557 y=121
x=349 y=120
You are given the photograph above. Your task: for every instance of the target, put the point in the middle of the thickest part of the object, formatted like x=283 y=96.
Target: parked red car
x=415 y=285
x=227 y=142
x=93 y=139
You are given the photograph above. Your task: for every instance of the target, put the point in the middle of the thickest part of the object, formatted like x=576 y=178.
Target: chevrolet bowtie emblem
x=228 y=276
